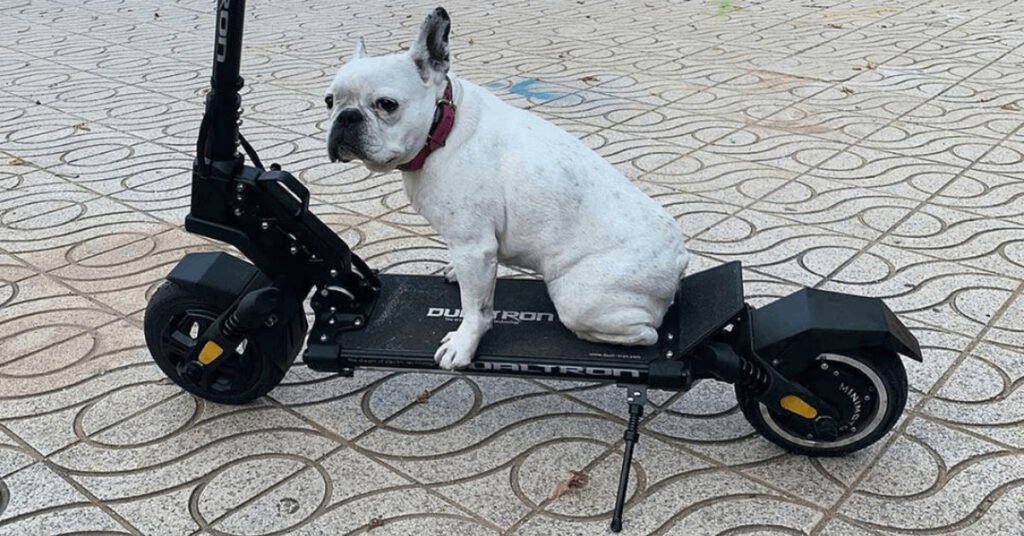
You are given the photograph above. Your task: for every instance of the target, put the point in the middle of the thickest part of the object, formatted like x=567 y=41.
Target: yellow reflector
x=795 y=404
x=210 y=352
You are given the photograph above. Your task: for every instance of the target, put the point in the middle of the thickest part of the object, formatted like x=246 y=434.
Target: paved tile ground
x=867 y=146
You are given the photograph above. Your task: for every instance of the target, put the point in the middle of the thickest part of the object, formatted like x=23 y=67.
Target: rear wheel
x=868 y=389
x=176 y=318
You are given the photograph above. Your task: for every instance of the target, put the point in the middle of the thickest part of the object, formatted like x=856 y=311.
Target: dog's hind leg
x=632 y=336
x=626 y=327
x=588 y=308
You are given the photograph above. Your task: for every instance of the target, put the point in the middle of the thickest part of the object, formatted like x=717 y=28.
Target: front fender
x=219 y=277
x=796 y=329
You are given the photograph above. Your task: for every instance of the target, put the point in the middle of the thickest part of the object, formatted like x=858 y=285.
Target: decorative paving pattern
x=870 y=147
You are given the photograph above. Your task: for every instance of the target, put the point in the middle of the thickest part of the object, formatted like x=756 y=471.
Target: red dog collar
x=444 y=119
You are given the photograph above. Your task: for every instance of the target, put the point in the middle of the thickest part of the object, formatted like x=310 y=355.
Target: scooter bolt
x=334 y=273
x=323 y=338
x=238 y=212
x=192 y=371
x=824 y=366
x=636 y=393
x=867 y=397
x=330 y=320
x=853 y=428
x=333 y=309
x=670 y=336
x=240 y=187
x=293 y=250
x=264 y=226
x=629 y=399
x=239 y=197
x=271 y=321
x=775 y=362
x=324 y=292
x=669 y=354
x=835 y=373
x=357 y=322
x=810 y=436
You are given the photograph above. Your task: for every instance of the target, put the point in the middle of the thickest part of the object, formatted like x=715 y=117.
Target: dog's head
x=382 y=107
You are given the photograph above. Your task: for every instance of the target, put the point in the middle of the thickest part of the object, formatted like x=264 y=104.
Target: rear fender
x=793 y=331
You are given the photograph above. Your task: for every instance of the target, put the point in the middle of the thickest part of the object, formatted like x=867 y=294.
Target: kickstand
x=636 y=395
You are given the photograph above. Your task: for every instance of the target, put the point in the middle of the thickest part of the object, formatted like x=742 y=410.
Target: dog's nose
x=348 y=117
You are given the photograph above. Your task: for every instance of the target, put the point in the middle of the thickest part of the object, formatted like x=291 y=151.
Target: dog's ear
x=360 y=50
x=430 y=50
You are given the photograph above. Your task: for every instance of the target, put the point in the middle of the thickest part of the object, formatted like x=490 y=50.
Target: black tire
x=173 y=317
x=842 y=380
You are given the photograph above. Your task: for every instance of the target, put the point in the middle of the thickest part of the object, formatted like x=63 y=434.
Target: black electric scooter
x=816 y=372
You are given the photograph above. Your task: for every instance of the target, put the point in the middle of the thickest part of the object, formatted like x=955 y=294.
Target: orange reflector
x=795 y=404
x=210 y=352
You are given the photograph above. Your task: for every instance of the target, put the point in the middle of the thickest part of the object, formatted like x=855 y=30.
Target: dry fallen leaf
x=846 y=90
x=834 y=25
x=588 y=79
x=423 y=397
x=376 y=522
x=1010 y=107
x=561 y=488
x=577 y=480
x=471 y=41
x=16 y=161
x=81 y=126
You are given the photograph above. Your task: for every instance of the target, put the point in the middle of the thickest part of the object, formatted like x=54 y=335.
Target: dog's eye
x=329 y=101
x=386 y=104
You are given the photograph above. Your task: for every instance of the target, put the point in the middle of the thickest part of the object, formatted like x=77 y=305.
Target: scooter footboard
x=413 y=313
x=799 y=327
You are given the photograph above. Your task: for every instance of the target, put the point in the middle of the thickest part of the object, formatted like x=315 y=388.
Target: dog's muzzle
x=343 y=141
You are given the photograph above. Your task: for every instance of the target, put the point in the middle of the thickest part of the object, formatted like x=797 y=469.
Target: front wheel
x=176 y=318
x=868 y=389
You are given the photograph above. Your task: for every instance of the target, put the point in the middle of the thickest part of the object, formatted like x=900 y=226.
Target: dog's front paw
x=455 y=352
x=449 y=273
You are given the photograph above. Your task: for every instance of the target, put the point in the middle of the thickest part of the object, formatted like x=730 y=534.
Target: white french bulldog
x=507 y=186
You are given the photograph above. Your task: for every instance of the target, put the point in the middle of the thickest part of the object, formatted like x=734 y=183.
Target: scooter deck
x=413 y=313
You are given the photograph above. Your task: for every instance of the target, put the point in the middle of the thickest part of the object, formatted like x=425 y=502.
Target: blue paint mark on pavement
x=523 y=88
